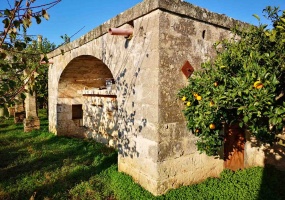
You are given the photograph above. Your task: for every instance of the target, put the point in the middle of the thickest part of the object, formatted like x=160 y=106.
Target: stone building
x=122 y=90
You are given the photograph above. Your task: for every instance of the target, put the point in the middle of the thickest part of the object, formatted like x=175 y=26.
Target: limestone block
x=62 y=125
x=174 y=131
x=37 y=122
x=19 y=117
x=137 y=166
x=63 y=116
x=77 y=122
x=146 y=129
x=259 y=154
x=11 y=111
x=145 y=146
x=198 y=165
x=31 y=124
x=143 y=179
x=113 y=143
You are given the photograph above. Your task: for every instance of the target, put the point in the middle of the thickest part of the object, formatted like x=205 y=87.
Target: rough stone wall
x=65 y=125
x=81 y=77
x=138 y=107
x=181 y=39
x=100 y=117
x=134 y=66
x=155 y=147
x=260 y=154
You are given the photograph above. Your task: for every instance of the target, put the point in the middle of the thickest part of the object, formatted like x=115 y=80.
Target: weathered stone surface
x=19 y=107
x=11 y=111
x=147 y=6
x=31 y=124
x=19 y=117
x=259 y=154
x=146 y=123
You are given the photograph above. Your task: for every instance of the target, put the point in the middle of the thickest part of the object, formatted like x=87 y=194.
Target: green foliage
x=244 y=85
x=41 y=80
x=246 y=184
x=65 y=38
x=124 y=187
x=12 y=77
x=20 y=16
x=15 y=55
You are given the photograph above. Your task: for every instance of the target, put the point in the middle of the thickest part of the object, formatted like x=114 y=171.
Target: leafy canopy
x=244 y=85
x=16 y=54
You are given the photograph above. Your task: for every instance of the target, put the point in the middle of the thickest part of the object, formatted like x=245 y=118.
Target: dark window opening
x=77 y=112
x=203 y=34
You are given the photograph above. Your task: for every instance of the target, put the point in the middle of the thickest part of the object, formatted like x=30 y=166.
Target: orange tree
x=243 y=85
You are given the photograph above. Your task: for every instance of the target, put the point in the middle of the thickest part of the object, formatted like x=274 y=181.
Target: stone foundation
x=31 y=124
x=11 y=111
x=19 y=117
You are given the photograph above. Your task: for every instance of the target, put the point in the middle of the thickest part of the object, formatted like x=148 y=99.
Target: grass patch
x=44 y=166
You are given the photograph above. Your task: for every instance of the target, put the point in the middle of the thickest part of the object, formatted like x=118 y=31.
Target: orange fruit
x=199 y=98
x=216 y=84
x=257 y=84
x=195 y=94
x=212 y=103
x=188 y=103
x=197 y=130
x=212 y=126
x=183 y=98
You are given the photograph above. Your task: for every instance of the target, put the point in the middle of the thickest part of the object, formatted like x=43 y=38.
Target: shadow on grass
x=273 y=182
x=3 y=125
x=273 y=179
x=18 y=128
x=75 y=177
x=50 y=154
x=48 y=166
x=8 y=125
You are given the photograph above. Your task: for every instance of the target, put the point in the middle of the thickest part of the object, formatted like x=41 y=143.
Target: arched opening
x=87 y=104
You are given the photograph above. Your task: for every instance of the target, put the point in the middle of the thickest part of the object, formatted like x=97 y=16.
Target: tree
x=244 y=85
x=41 y=83
x=14 y=55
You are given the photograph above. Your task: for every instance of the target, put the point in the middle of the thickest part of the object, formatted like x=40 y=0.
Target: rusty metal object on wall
x=187 y=69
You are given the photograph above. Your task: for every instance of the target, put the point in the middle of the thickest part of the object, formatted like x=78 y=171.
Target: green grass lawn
x=43 y=166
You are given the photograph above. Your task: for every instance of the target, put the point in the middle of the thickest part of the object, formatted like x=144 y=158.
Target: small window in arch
x=77 y=112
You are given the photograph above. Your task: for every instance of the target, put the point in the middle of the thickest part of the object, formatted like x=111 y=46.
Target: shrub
x=243 y=85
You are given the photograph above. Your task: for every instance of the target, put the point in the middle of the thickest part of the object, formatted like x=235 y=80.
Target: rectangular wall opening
x=77 y=112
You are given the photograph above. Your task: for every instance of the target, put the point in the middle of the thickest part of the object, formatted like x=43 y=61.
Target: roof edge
x=143 y=8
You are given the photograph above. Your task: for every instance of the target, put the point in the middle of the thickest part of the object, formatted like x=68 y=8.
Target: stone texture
x=147 y=125
x=31 y=124
x=32 y=121
x=260 y=154
x=11 y=111
x=19 y=117
x=19 y=107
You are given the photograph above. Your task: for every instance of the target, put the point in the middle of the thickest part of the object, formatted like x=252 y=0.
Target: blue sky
x=69 y=16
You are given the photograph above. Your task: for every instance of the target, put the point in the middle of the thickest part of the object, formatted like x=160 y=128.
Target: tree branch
x=11 y=22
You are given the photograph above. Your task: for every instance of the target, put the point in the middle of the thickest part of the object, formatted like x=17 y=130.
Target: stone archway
x=86 y=106
x=155 y=147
